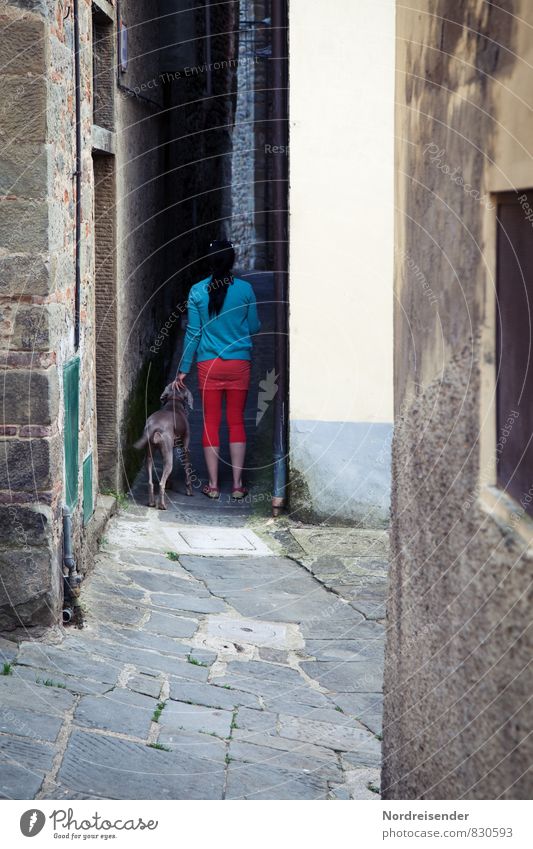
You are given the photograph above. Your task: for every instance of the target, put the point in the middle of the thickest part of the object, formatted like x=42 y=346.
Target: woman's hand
x=179 y=383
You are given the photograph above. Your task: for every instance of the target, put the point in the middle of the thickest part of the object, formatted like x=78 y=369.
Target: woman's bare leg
x=211 y=461
x=237 y=452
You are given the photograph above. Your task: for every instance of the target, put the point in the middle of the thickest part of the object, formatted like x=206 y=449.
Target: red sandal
x=211 y=491
x=239 y=493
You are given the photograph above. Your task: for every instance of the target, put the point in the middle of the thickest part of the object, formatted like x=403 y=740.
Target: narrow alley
x=236 y=661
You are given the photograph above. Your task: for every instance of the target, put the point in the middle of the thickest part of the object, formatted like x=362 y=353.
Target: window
x=514 y=328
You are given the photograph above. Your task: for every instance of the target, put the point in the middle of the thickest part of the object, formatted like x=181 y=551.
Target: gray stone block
x=29 y=723
x=179 y=716
x=23 y=224
x=23 y=106
x=346 y=650
x=19 y=782
x=145 y=684
x=25 y=525
x=366 y=707
x=120 y=710
x=328 y=769
x=189 y=603
x=59 y=680
x=261 y=781
x=256 y=720
x=166 y=583
x=336 y=737
x=195 y=744
x=211 y=696
x=66 y=661
x=24 y=171
x=28 y=465
x=343 y=677
x=21 y=274
x=103 y=766
x=22 y=50
x=35 y=564
x=170 y=625
x=18 y=692
x=32 y=755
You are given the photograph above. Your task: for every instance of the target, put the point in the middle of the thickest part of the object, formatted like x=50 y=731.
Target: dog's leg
x=149 y=467
x=188 y=467
x=166 y=451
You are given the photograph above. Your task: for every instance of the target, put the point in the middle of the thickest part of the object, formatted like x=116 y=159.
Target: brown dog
x=163 y=430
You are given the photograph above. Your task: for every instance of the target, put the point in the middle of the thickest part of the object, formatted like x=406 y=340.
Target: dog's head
x=171 y=393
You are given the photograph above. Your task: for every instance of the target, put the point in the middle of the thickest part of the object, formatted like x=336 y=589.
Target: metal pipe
x=208 y=52
x=71 y=579
x=77 y=84
x=279 y=83
x=68 y=613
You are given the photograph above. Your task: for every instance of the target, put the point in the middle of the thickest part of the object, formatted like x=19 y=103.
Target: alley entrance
x=258 y=422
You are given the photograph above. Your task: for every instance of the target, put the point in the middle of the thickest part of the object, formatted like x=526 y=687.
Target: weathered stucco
x=456 y=681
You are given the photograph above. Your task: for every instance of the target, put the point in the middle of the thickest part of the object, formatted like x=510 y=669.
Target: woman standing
x=222 y=317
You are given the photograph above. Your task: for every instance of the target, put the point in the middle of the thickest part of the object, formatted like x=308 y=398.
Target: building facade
x=101 y=221
x=341 y=69
x=457 y=686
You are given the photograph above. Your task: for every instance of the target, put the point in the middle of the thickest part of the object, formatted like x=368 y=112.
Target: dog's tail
x=141 y=442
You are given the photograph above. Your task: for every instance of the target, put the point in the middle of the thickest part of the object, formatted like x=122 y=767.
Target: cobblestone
x=205 y=676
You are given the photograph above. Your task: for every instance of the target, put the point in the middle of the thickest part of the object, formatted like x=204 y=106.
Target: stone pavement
x=215 y=662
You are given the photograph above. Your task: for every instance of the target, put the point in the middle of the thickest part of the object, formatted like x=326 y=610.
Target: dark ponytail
x=222 y=257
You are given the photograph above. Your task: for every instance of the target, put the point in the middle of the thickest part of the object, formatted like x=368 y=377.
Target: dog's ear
x=166 y=392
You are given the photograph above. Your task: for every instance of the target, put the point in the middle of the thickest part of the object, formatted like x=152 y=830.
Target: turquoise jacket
x=227 y=335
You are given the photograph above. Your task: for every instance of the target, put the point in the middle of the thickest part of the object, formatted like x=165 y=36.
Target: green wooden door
x=71 y=390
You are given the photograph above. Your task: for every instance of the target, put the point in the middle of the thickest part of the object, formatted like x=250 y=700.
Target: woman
x=222 y=317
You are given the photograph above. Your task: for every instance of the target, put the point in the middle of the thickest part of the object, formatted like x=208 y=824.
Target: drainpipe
x=71 y=579
x=279 y=82
x=208 y=52
x=77 y=173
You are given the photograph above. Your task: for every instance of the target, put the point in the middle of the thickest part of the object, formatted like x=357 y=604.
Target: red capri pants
x=216 y=377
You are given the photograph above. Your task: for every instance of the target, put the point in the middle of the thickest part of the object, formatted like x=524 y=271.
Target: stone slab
x=31 y=755
x=358 y=781
x=18 y=782
x=18 y=692
x=66 y=661
x=262 y=781
x=145 y=684
x=180 y=716
x=192 y=604
x=346 y=677
x=170 y=625
x=71 y=683
x=121 y=710
x=256 y=720
x=366 y=707
x=163 y=582
x=240 y=750
x=362 y=744
x=196 y=745
x=351 y=542
x=29 y=723
x=209 y=695
x=104 y=766
x=346 y=650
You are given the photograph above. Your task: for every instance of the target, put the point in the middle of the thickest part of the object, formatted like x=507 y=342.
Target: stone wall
x=456 y=687
x=32 y=315
x=37 y=273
